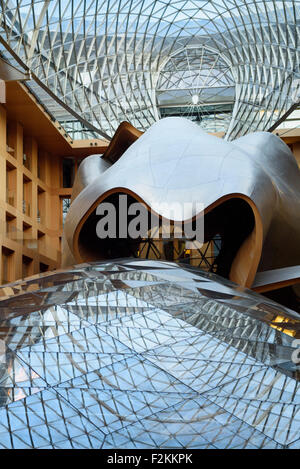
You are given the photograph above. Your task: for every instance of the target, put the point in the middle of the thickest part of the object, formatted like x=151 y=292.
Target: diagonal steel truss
x=105 y=59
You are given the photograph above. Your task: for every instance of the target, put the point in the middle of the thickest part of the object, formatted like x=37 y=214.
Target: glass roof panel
x=106 y=60
x=137 y=354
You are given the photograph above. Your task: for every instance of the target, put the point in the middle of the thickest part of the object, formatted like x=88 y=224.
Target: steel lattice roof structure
x=140 y=354
x=137 y=60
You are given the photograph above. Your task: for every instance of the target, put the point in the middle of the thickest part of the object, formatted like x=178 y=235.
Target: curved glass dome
x=109 y=61
x=196 y=82
x=138 y=354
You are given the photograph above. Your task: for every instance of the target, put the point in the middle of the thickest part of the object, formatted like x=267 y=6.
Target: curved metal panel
x=88 y=171
x=176 y=162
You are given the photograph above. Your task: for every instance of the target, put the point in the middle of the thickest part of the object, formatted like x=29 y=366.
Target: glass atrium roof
x=229 y=65
x=145 y=354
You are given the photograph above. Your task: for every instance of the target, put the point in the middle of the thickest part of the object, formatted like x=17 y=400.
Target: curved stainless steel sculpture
x=250 y=189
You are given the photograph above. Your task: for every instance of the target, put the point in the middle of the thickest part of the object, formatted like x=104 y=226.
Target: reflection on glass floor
x=145 y=354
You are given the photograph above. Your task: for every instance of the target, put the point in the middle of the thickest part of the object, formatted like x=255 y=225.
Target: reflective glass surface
x=229 y=65
x=145 y=354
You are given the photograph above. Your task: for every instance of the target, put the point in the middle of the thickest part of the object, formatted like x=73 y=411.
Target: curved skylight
x=196 y=82
x=109 y=61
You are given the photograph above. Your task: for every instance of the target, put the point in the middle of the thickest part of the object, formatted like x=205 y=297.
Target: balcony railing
x=26 y=208
x=26 y=161
x=10 y=150
x=21 y=237
x=10 y=197
x=40 y=218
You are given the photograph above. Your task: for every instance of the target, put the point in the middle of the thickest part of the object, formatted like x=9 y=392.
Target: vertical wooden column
x=18 y=154
x=2 y=178
x=34 y=198
x=2 y=159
